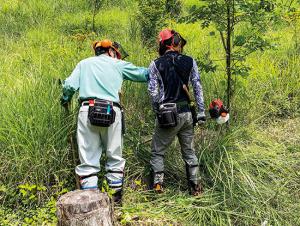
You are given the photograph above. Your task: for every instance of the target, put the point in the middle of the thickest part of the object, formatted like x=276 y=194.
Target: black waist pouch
x=167 y=115
x=101 y=113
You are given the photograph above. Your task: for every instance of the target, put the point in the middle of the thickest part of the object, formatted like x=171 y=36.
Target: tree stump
x=84 y=208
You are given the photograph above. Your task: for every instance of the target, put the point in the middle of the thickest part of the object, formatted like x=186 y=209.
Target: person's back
x=102 y=77
x=170 y=76
x=174 y=69
x=99 y=128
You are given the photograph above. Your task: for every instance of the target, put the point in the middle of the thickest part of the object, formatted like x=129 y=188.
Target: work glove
x=201 y=117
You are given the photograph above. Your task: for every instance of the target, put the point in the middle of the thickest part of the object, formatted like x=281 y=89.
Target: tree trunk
x=228 y=55
x=94 y=15
x=84 y=208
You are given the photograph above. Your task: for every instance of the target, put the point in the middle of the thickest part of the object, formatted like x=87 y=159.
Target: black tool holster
x=167 y=115
x=101 y=113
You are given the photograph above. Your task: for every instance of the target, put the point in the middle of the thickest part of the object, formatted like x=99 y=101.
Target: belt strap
x=86 y=102
x=182 y=103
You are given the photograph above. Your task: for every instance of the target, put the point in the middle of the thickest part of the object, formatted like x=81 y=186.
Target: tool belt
x=101 y=112
x=182 y=106
x=167 y=115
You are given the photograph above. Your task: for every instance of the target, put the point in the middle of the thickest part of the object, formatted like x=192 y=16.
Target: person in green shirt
x=99 y=80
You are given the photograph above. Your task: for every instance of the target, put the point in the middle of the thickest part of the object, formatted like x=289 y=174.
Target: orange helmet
x=106 y=44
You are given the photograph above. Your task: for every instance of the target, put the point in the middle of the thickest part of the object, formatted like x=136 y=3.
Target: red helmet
x=165 y=35
x=176 y=37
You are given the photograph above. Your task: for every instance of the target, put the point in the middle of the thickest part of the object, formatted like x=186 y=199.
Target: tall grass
x=247 y=182
x=250 y=173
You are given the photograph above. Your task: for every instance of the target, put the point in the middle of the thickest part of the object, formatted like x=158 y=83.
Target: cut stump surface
x=84 y=208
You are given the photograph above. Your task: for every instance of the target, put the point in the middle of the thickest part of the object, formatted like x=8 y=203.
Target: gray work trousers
x=92 y=141
x=162 y=139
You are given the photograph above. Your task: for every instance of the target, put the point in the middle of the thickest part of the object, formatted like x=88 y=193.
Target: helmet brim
x=120 y=50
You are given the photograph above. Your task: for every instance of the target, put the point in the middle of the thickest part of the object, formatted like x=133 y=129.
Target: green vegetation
x=241 y=26
x=250 y=172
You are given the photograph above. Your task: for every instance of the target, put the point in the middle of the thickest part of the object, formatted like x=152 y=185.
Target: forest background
x=250 y=171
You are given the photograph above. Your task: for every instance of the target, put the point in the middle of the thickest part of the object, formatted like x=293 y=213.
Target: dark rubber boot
x=158 y=179
x=192 y=173
x=195 y=189
x=158 y=188
x=117 y=197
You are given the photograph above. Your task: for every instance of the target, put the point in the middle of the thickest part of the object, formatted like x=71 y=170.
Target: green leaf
x=3 y=188
x=32 y=197
x=138 y=182
x=240 y=40
x=23 y=192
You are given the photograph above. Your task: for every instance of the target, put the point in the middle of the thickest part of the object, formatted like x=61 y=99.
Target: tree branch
x=223 y=41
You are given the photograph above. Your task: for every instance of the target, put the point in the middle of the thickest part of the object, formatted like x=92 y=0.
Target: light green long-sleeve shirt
x=101 y=77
